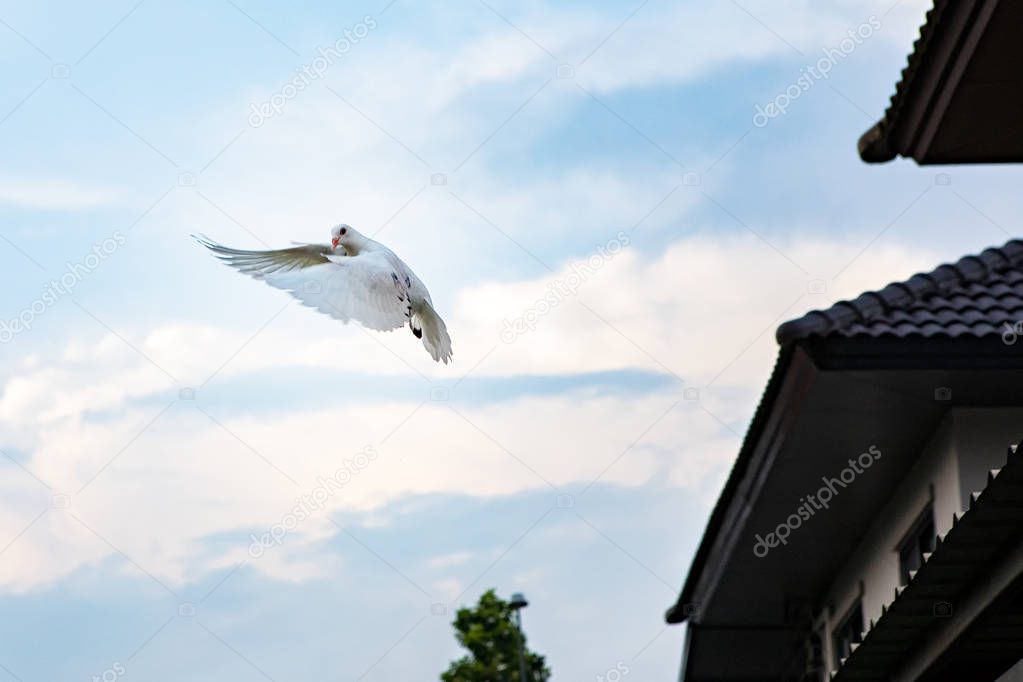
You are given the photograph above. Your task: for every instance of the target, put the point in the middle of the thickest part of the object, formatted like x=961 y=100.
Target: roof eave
x=946 y=45
x=874 y=146
x=836 y=353
x=682 y=609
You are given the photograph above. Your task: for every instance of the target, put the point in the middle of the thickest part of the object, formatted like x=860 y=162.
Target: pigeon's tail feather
x=428 y=325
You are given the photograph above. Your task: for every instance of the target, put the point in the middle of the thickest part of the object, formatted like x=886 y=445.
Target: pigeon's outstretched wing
x=262 y=263
x=363 y=288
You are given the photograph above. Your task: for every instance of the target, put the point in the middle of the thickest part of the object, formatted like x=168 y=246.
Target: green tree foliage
x=489 y=633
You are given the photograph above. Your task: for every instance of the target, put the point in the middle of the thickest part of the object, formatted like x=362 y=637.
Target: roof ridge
x=870 y=304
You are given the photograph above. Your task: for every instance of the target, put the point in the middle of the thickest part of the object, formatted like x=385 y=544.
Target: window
x=848 y=633
x=917 y=542
x=814 y=660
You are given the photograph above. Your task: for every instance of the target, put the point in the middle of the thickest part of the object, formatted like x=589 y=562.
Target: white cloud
x=185 y=478
x=53 y=194
x=449 y=560
x=702 y=307
x=659 y=44
x=444 y=102
x=692 y=310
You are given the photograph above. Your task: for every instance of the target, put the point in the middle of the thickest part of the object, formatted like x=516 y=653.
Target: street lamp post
x=518 y=602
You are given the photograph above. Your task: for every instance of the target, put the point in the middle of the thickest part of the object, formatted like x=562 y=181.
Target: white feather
x=358 y=279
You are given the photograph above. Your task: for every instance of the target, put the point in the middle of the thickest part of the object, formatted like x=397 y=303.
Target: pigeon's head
x=344 y=235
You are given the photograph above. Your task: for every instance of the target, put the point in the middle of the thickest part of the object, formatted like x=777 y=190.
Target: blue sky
x=159 y=410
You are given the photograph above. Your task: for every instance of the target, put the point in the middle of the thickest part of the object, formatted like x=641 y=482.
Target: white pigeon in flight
x=352 y=278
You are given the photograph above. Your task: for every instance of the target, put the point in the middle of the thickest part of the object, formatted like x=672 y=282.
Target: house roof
x=978 y=537
x=958 y=99
x=875 y=145
x=974 y=297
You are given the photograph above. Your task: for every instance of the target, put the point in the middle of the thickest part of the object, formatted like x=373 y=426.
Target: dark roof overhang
x=960 y=98
x=803 y=430
x=686 y=606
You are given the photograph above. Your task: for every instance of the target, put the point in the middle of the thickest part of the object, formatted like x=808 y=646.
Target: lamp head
x=518 y=601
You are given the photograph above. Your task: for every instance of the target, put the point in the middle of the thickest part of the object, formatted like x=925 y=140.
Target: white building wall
x=984 y=435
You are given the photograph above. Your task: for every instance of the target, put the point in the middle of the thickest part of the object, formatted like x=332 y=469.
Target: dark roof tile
x=975 y=296
x=874 y=145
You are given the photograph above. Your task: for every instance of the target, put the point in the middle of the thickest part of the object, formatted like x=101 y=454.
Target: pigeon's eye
x=344 y=230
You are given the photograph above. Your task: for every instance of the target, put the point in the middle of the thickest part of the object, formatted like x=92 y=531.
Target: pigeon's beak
x=335 y=241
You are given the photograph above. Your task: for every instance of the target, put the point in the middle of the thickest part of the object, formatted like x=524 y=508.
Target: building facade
x=872 y=525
